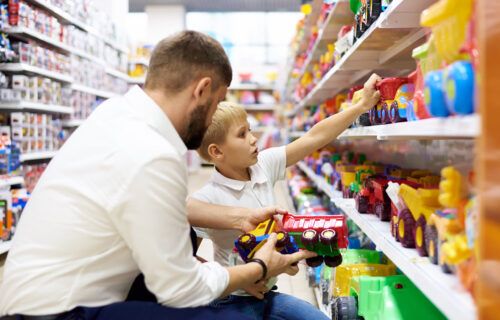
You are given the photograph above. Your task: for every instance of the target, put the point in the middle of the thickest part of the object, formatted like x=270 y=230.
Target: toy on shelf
x=388 y=88
x=392 y=297
x=421 y=204
x=321 y=234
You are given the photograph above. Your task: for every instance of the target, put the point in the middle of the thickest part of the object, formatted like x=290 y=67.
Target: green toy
x=380 y=298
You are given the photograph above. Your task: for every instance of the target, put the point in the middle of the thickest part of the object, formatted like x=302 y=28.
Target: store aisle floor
x=296 y=285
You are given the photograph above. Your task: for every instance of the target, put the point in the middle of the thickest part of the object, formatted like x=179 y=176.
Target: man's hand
x=256 y=216
x=278 y=263
x=370 y=96
x=258 y=289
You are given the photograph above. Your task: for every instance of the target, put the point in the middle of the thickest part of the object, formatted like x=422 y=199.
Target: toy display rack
x=5 y=246
x=458 y=127
x=444 y=290
x=35 y=107
x=384 y=48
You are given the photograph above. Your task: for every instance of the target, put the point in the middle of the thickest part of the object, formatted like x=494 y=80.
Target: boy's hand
x=278 y=263
x=258 y=289
x=370 y=96
x=252 y=219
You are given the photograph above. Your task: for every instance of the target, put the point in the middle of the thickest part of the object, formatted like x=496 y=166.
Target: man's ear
x=203 y=88
x=215 y=152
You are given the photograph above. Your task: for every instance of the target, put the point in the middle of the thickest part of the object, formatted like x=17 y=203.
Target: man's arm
x=327 y=130
x=206 y=215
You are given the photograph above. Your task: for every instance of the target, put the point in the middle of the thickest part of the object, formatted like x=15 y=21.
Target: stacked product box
x=35 y=132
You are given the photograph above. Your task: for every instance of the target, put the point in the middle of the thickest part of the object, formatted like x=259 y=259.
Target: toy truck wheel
x=283 y=239
x=362 y=203
x=328 y=237
x=394 y=113
x=345 y=308
x=309 y=238
x=247 y=241
x=406 y=226
x=314 y=262
x=394 y=228
x=334 y=261
x=384 y=114
x=364 y=119
x=381 y=212
x=420 y=237
x=371 y=115
x=431 y=243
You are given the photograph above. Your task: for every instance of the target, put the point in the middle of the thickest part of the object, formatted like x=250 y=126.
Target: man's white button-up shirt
x=110 y=205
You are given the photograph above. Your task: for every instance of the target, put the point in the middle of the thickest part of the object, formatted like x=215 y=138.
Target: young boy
x=245 y=178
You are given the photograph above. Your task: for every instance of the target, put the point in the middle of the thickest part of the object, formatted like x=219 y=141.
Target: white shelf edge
x=259 y=107
x=143 y=61
x=443 y=290
x=33 y=106
x=99 y=93
x=5 y=246
x=23 y=67
x=118 y=74
x=37 y=155
x=72 y=123
x=457 y=127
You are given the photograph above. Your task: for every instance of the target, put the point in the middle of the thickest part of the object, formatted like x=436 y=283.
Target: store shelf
x=339 y=16
x=14 y=180
x=5 y=246
x=68 y=19
x=444 y=290
x=459 y=127
x=38 y=155
x=384 y=48
x=259 y=107
x=23 y=67
x=33 y=106
x=251 y=87
x=99 y=93
x=118 y=74
x=72 y=123
x=140 y=80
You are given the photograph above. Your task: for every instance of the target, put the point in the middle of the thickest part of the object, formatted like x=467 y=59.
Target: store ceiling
x=221 y=5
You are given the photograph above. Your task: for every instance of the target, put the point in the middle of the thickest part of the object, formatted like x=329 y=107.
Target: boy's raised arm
x=327 y=130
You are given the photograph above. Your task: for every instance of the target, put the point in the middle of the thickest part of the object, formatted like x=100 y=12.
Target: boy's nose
x=253 y=140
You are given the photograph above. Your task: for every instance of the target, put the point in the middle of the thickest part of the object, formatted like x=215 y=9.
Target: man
x=111 y=204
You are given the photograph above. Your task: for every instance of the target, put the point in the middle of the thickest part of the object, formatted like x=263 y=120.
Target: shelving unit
x=23 y=67
x=384 y=48
x=99 y=93
x=251 y=87
x=444 y=290
x=38 y=155
x=35 y=107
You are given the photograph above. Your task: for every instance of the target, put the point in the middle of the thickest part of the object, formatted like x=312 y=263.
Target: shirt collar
x=154 y=116
x=256 y=176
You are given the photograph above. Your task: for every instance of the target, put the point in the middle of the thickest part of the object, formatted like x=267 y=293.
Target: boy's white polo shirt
x=256 y=193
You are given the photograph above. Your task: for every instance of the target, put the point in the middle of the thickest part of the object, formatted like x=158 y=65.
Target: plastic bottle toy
x=321 y=234
x=392 y=297
x=388 y=88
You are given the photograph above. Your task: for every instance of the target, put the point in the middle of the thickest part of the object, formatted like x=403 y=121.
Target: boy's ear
x=215 y=152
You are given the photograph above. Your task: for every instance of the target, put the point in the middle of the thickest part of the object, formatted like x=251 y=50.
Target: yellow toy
x=344 y=274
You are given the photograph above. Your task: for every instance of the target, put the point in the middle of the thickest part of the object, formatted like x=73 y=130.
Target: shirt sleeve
x=273 y=162
x=150 y=215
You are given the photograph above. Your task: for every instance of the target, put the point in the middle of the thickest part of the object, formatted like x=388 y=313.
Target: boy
x=245 y=178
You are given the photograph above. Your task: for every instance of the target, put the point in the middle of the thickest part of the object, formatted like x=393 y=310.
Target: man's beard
x=196 y=127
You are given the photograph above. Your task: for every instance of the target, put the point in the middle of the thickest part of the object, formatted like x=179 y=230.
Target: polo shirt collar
x=257 y=176
x=146 y=108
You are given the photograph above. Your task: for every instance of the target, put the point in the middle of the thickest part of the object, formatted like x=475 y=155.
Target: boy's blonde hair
x=227 y=114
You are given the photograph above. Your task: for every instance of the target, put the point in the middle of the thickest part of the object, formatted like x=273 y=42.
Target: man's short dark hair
x=187 y=56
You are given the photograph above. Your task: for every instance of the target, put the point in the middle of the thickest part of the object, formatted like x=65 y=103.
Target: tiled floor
x=296 y=285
